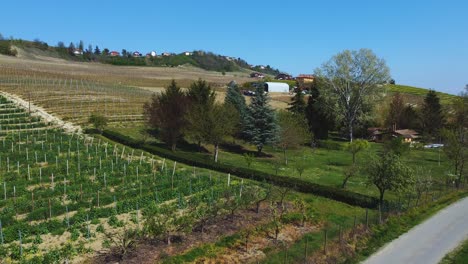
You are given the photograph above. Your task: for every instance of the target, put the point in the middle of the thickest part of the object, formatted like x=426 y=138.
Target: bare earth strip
x=430 y=241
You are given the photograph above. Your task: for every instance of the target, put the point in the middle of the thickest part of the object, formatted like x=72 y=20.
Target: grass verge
x=458 y=256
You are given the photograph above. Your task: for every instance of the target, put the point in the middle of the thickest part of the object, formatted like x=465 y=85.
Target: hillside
x=418 y=93
x=201 y=59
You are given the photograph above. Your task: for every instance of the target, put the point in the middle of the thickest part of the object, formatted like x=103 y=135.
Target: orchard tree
x=357 y=146
x=260 y=126
x=388 y=173
x=432 y=118
x=353 y=81
x=293 y=131
x=166 y=113
x=98 y=121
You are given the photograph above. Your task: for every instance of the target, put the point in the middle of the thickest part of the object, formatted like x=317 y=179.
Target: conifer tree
x=260 y=126
x=297 y=105
x=320 y=122
x=432 y=119
x=237 y=101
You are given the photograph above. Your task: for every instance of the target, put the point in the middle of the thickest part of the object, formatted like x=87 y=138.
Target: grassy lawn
x=458 y=256
x=323 y=166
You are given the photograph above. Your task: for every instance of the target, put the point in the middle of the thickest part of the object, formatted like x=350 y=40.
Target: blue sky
x=425 y=43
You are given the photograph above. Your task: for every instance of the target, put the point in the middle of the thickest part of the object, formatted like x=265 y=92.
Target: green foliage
x=298 y=104
x=6 y=49
x=357 y=146
x=432 y=117
x=237 y=100
x=293 y=131
x=298 y=184
x=388 y=173
x=396 y=146
x=352 y=81
x=166 y=113
x=456 y=149
x=320 y=120
x=260 y=123
x=98 y=121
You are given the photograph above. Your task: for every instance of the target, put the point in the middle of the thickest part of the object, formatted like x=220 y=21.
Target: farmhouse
x=305 y=80
x=114 y=53
x=283 y=76
x=408 y=135
x=256 y=75
x=136 y=54
x=188 y=53
x=276 y=87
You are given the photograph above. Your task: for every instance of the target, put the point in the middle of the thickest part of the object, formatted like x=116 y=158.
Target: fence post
x=367 y=217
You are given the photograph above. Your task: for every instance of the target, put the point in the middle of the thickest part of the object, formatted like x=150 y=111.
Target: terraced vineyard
x=59 y=191
x=75 y=100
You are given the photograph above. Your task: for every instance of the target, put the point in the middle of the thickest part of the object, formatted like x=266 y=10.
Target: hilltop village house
x=305 y=80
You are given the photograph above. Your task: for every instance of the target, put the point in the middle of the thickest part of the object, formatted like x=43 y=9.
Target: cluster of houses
x=136 y=54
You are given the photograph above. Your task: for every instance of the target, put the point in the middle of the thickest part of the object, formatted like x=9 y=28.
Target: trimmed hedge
x=330 y=192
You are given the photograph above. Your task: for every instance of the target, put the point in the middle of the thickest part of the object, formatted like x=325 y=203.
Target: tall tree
x=293 y=131
x=396 y=111
x=97 y=51
x=81 y=45
x=201 y=98
x=298 y=104
x=105 y=52
x=237 y=100
x=166 y=113
x=320 y=120
x=260 y=126
x=388 y=173
x=71 y=48
x=432 y=118
x=353 y=81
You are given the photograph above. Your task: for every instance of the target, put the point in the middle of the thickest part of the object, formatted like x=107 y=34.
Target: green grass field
x=458 y=256
x=419 y=92
x=323 y=166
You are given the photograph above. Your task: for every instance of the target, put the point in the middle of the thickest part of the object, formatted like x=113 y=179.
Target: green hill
x=417 y=94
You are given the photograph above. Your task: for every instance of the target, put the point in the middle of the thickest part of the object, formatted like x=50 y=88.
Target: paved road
x=430 y=241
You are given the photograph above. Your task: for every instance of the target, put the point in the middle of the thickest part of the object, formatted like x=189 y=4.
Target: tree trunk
x=285 y=158
x=344 y=182
x=216 y=151
x=257 y=209
x=350 y=131
x=381 y=199
x=168 y=238
x=354 y=158
x=259 y=150
x=173 y=146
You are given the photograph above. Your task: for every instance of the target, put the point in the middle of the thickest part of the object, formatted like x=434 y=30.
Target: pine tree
x=71 y=48
x=237 y=101
x=320 y=122
x=97 y=51
x=297 y=105
x=432 y=119
x=260 y=126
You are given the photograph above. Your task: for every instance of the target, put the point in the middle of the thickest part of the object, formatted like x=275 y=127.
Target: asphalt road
x=430 y=241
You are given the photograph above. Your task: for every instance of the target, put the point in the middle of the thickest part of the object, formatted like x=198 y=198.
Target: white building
x=276 y=87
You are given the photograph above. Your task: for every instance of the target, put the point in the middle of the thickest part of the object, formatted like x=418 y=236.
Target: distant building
x=114 y=53
x=305 y=80
x=283 y=76
x=276 y=87
x=257 y=75
x=153 y=53
x=136 y=54
x=166 y=54
x=77 y=52
x=188 y=53
x=408 y=135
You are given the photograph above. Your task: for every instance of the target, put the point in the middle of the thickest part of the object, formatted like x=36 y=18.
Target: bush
x=300 y=185
x=6 y=49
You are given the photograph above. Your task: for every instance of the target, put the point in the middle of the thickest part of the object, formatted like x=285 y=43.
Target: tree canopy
x=353 y=80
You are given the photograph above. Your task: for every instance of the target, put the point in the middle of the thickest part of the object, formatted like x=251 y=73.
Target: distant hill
x=201 y=59
x=415 y=94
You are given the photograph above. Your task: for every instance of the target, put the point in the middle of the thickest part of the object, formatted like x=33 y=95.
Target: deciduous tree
x=388 y=173
x=293 y=131
x=354 y=81
x=432 y=117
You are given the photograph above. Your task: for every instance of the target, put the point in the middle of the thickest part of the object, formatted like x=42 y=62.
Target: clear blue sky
x=425 y=43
